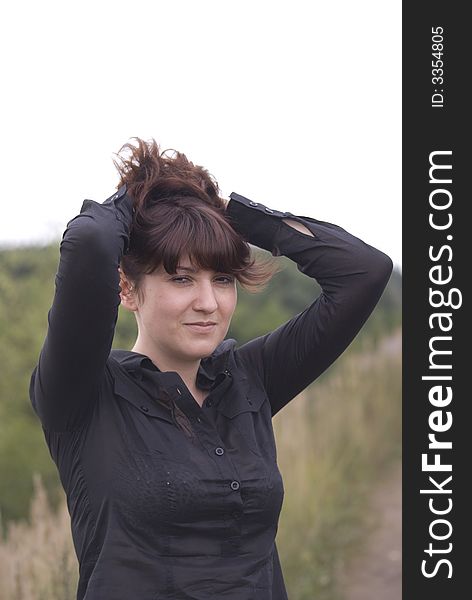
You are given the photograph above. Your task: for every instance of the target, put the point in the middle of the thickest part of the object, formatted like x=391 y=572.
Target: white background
x=293 y=104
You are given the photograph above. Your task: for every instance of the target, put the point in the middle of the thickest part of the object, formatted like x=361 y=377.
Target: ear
x=127 y=293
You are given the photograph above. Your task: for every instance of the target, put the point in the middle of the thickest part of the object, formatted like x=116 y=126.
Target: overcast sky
x=294 y=104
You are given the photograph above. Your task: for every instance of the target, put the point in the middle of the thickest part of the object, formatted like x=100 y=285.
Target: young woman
x=166 y=452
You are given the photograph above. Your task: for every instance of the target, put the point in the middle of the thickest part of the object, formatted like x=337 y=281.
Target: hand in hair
x=152 y=174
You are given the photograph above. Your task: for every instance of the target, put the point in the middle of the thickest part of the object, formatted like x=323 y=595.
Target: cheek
x=161 y=310
x=229 y=304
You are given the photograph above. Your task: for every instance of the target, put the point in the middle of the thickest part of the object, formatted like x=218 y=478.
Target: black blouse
x=154 y=514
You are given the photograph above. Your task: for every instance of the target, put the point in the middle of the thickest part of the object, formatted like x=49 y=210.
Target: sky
x=296 y=105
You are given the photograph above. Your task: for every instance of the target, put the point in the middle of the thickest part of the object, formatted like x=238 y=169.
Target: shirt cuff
x=123 y=205
x=258 y=224
x=116 y=210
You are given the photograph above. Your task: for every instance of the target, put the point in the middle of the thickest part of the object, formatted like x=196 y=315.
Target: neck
x=187 y=369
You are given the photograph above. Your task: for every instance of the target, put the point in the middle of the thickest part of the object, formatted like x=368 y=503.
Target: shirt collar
x=210 y=366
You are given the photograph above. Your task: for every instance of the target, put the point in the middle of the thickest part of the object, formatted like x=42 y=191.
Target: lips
x=202 y=326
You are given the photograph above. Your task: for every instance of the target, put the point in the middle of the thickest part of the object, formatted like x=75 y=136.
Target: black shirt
x=155 y=515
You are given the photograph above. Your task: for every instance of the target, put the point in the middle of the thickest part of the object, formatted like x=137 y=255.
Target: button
x=198 y=420
x=228 y=373
x=121 y=192
x=269 y=210
x=209 y=402
x=235 y=485
x=235 y=514
x=179 y=392
x=251 y=203
x=219 y=451
x=145 y=408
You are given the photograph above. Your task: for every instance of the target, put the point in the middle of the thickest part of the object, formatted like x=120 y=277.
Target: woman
x=166 y=452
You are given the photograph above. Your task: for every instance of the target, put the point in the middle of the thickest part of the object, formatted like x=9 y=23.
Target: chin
x=203 y=349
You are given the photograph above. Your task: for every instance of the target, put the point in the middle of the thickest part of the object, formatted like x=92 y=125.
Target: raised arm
x=352 y=276
x=81 y=322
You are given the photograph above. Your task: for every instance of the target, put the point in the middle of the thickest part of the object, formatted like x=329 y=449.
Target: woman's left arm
x=352 y=276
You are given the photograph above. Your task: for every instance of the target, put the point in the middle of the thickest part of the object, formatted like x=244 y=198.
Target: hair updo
x=178 y=211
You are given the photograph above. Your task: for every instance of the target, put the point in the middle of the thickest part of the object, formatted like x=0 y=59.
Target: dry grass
x=333 y=441
x=37 y=559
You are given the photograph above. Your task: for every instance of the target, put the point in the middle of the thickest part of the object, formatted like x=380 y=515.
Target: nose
x=205 y=297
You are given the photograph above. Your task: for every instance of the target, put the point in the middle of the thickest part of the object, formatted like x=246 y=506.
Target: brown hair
x=178 y=211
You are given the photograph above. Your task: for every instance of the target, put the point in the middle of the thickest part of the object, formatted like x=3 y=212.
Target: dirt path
x=375 y=573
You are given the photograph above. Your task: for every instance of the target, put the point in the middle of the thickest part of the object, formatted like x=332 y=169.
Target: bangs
x=207 y=245
x=185 y=229
x=178 y=213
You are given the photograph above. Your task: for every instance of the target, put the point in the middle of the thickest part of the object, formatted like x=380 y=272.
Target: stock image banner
x=436 y=318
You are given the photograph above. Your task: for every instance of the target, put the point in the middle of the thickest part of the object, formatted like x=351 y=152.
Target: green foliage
x=26 y=292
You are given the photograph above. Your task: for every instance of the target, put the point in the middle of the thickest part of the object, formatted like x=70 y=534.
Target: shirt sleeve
x=352 y=276
x=81 y=322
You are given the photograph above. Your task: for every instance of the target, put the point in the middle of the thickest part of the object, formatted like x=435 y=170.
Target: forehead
x=185 y=264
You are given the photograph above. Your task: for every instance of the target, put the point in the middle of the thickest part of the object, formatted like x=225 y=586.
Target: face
x=182 y=317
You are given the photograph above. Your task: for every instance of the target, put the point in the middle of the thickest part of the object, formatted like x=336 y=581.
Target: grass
x=334 y=441
x=37 y=559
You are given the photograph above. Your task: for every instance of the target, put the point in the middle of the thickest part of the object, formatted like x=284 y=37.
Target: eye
x=181 y=279
x=225 y=279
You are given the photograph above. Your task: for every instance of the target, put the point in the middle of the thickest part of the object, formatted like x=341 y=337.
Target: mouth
x=201 y=326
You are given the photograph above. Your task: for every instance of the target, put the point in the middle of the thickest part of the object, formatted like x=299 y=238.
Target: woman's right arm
x=81 y=322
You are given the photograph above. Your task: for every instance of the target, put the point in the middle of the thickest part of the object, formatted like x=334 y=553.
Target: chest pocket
x=145 y=424
x=246 y=402
x=248 y=415
x=139 y=396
